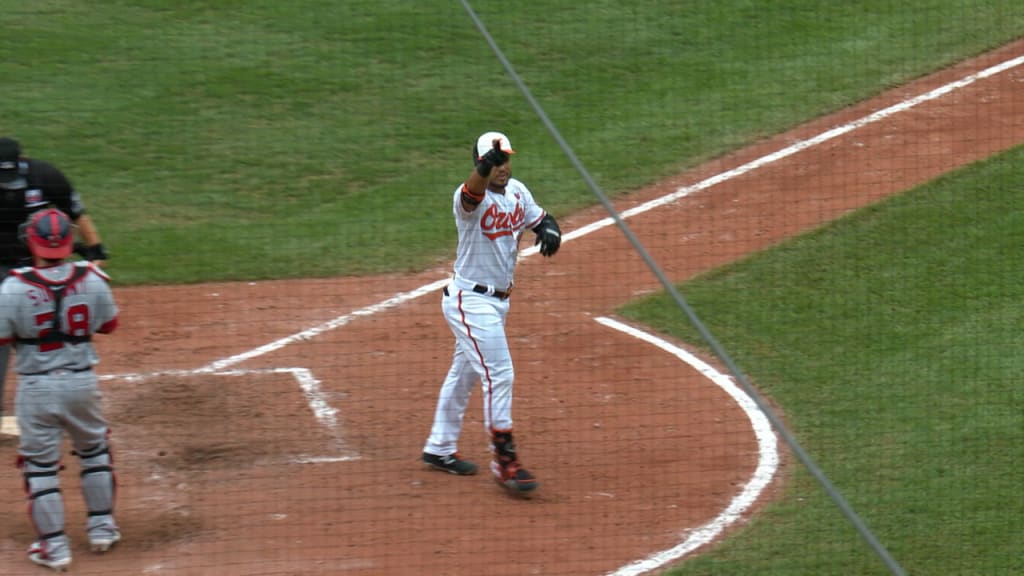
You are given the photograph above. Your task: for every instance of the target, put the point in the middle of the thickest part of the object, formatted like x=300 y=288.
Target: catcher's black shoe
x=450 y=463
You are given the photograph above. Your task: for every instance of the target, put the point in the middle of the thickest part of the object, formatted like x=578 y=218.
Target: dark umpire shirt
x=38 y=185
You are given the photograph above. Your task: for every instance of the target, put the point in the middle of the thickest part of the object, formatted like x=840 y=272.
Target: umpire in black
x=27 y=185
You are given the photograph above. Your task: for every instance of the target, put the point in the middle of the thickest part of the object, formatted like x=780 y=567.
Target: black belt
x=44 y=373
x=481 y=289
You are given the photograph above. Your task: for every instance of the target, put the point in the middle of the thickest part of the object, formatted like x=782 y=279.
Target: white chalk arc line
x=767 y=460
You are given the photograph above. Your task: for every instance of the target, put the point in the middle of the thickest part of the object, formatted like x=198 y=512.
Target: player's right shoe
x=40 y=554
x=450 y=463
x=102 y=540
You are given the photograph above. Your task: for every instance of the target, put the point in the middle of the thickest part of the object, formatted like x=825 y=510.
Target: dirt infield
x=263 y=428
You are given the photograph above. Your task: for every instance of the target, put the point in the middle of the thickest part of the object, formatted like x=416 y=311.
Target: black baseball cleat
x=450 y=463
x=515 y=479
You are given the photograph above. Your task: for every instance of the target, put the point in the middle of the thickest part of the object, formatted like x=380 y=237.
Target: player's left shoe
x=517 y=480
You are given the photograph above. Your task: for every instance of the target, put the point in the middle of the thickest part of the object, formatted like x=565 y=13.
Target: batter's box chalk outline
x=324 y=413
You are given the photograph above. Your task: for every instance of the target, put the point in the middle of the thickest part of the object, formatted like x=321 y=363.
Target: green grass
x=257 y=139
x=892 y=340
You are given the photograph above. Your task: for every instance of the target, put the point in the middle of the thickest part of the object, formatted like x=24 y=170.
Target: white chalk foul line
x=767 y=463
x=338 y=322
x=798 y=147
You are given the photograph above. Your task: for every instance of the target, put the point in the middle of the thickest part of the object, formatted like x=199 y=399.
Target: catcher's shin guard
x=98 y=486
x=46 y=505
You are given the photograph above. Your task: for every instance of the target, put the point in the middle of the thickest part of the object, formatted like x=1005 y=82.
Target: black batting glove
x=493 y=157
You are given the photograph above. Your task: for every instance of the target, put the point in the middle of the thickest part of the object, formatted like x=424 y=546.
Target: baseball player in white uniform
x=492 y=210
x=49 y=312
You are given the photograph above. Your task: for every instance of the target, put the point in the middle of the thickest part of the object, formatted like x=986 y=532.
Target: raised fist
x=493 y=157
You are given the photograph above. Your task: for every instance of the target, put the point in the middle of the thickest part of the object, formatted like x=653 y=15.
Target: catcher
x=49 y=312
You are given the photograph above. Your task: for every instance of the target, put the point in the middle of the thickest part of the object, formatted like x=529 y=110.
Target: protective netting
x=829 y=191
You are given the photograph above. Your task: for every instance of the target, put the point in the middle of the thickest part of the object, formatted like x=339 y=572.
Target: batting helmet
x=49 y=234
x=486 y=142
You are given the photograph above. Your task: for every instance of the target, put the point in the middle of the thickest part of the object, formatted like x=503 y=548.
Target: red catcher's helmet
x=50 y=234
